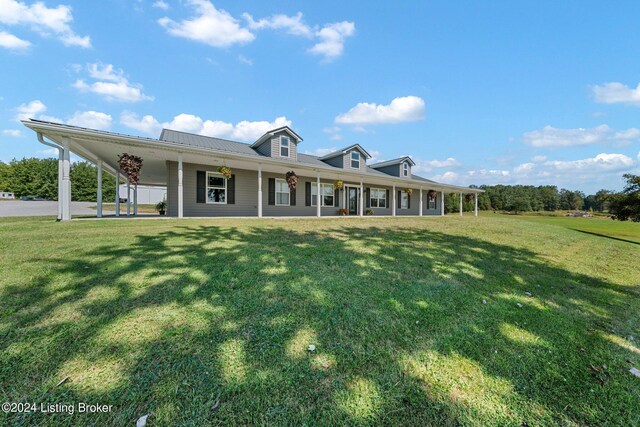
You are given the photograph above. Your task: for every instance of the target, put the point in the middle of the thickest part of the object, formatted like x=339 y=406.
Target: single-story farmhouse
x=207 y=176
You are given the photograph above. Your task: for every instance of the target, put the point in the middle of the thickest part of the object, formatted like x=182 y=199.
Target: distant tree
x=602 y=200
x=626 y=205
x=549 y=197
x=521 y=204
x=5 y=177
x=571 y=200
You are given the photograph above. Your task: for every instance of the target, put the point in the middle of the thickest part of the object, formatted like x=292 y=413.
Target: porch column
x=393 y=205
x=99 y=194
x=128 y=197
x=118 y=192
x=135 y=200
x=259 y=191
x=420 y=210
x=460 y=204
x=66 y=181
x=361 y=199
x=475 y=209
x=442 y=203
x=180 y=192
x=60 y=192
x=318 y=198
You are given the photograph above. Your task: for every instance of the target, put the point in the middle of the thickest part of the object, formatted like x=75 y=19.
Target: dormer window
x=405 y=169
x=284 y=146
x=355 y=160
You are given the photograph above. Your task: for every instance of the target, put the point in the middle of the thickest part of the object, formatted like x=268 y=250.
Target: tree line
x=39 y=178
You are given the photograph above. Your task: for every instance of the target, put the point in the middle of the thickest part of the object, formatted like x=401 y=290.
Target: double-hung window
x=404 y=200
x=431 y=202
x=378 y=198
x=405 y=169
x=216 y=188
x=284 y=146
x=355 y=160
x=282 y=193
x=326 y=192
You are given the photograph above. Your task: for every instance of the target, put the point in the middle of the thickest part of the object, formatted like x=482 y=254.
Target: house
x=189 y=166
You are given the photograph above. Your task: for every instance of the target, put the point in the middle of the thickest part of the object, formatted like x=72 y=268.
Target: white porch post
x=66 y=181
x=318 y=198
x=420 y=210
x=442 y=203
x=475 y=209
x=60 y=195
x=393 y=206
x=180 y=190
x=259 y=191
x=128 y=197
x=135 y=200
x=99 y=194
x=461 y=204
x=118 y=192
x=361 y=199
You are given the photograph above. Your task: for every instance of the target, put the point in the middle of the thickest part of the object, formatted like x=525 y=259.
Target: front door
x=352 y=200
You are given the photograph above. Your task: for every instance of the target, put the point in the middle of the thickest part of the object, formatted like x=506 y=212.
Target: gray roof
x=393 y=162
x=344 y=150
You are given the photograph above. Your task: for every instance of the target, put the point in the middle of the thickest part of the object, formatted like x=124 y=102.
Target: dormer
x=353 y=157
x=397 y=167
x=281 y=143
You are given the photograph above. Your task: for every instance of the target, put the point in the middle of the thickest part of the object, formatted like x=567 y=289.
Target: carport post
x=118 y=192
x=135 y=200
x=99 y=195
x=128 y=198
x=66 y=181
x=460 y=203
x=475 y=209
x=180 y=192
x=60 y=192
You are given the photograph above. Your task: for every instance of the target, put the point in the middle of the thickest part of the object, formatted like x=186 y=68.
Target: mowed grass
x=208 y=322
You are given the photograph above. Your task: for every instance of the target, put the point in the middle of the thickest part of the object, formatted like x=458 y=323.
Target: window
x=378 y=198
x=326 y=191
x=282 y=193
x=404 y=200
x=431 y=201
x=405 y=169
x=216 y=188
x=284 y=146
x=355 y=160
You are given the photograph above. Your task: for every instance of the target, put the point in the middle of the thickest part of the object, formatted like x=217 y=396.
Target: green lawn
x=208 y=322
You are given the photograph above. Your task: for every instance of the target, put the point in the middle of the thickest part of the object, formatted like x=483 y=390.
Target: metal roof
x=394 y=162
x=344 y=150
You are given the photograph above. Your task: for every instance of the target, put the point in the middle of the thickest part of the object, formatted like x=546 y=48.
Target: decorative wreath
x=131 y=166
x=292 y=180
x=338 y=184
x=225 y=171
x=409 y=191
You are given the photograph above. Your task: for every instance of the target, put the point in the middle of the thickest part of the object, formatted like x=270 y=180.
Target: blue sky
x=542 y=92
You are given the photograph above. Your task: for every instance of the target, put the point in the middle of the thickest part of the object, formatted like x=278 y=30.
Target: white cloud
x=43 y=20
x=161 y=5
x=210 y=26
x=334 y=133
x=331 y=39
x=429 y=165
x=245 y=131
x=9 y=41
x=550 y=137
x=616 y=93
x=111 y=84
x=293 y=25
x=12 y=132
x=30 y=110
x=91 y=119
x=538 y=159
x=402 y=109
x=600 y=163
x=321 y=151
x=629 y=134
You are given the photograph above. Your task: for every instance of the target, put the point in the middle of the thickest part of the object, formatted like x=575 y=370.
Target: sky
x=492 y=92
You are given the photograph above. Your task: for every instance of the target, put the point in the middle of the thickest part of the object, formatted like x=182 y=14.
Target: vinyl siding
x=414 y=202
x=299 y=209
x=380 y=211
x=393 y=170
x=347 y=161
x=335 y=161
x=275 y=146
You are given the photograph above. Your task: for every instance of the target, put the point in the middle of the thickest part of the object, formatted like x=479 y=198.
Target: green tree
x=5 y=177
x=521 y=204
x=626 y=205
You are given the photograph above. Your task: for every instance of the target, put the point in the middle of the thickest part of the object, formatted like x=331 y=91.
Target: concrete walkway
x=19 y=208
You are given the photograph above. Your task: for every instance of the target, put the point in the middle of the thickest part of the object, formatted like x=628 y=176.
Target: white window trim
x=288 y=146
x=322 y=185
x=351 y=160
x=386 y=202
x=405 y=169
x=434 y=201
x=401 y=194
x=226 y=191
x=282 y=192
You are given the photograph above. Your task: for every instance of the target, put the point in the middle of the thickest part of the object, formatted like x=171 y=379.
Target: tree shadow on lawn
x=206 y=325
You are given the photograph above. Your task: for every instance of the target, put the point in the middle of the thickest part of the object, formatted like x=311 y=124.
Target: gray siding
x=275 y=146
x=393 y=170
x=347 y=161
x=379 y=211
x=426 y=210
x=299 y=209
x=335 y=161
x=414 y=202
x=264 y=148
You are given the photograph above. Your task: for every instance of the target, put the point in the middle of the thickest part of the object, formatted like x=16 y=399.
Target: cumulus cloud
x=320 y=152
x=616 y=93
x=550 y=137
x=429 y=165
x=30 y=110
x=402 y=109
x=293 y=25
x=91 y=119
x=44 y=20
x=538 y=158
x=112 y=84
x=11 y=42
x=12 y=132
x=209 y=26
x=332 y=38
x=246 y=131
x=161 y=5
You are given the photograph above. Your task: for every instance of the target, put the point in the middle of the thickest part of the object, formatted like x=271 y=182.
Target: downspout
x=60 y=153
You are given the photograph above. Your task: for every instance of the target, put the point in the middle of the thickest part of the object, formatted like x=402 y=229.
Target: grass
x=207 y=322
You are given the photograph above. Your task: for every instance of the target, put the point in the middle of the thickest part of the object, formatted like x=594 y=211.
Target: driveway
x=20 y=208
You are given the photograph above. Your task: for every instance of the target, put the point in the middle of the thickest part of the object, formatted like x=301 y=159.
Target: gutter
x=60 y=154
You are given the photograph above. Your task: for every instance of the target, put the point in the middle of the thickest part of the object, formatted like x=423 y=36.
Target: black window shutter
x=387 y=202
x=399 y=199
x=408 y=201
x=272 y=191
x=368 y=196
x=292 y=197
x=201 y=187
x=307 y=193
x=336 y=198
x=231 y=190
